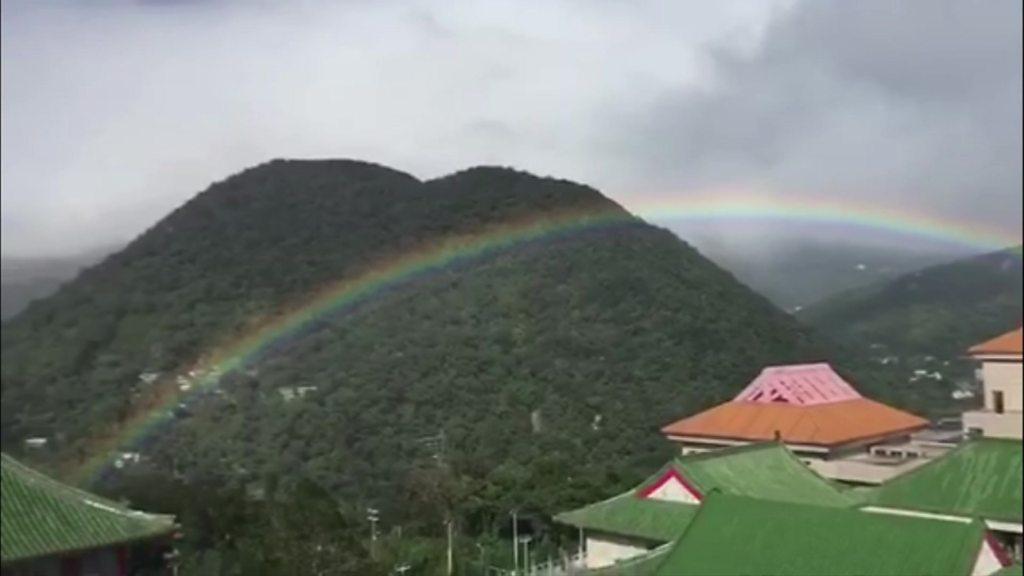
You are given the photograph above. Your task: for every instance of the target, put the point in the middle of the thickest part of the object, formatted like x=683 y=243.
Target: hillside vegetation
x=941 y=310
x=531 y=378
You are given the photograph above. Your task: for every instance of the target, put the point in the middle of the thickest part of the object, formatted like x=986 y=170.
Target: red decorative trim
x=1001 y=555
x=672 y=474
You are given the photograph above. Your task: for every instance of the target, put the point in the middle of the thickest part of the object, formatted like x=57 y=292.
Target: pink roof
x=801 y=385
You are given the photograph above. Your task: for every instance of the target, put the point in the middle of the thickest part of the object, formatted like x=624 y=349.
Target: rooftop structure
x=800 y=385
x=50 y=527
x=1010 y=344
x=817 y=413
x=981 y=479
x=736 y=535
x=1001 y=373
x=806 y=404
x=660 y=508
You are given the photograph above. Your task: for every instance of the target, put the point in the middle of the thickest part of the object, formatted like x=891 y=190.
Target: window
x=997 y=402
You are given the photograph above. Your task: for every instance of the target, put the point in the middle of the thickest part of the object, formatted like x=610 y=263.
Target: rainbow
x=723 y=205
x=157 y=410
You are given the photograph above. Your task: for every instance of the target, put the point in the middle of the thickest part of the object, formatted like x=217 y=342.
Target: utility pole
x=483 y=561
x=373 y=515
x=437 y=445
x=451 y=563
x=515 y=541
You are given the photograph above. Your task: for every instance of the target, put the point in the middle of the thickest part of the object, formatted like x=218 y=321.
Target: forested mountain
x=939 y=311
x=532 y=377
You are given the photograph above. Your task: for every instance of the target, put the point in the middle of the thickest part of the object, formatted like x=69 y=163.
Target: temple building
x=823 y=419
x=736 y=535
x=1001 y=376
x=52 y=529
x=655 y=513
x=982 y=480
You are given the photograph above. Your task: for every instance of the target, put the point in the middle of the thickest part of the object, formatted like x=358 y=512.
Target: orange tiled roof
x=827 y=424
x=1008 y=344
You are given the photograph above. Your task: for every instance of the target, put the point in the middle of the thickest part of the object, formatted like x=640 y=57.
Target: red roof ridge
x=1009 y=344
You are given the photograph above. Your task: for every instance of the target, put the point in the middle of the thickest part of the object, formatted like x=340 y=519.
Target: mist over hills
x=24 y=279
x=796 y=274
x=940 y=310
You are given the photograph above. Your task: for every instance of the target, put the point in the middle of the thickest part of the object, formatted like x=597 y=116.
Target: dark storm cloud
x=914 y=104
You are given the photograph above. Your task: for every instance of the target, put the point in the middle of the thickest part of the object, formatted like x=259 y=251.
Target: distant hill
x=938 y=311
x=798 y=274
x=548 y=366
x=26 y=279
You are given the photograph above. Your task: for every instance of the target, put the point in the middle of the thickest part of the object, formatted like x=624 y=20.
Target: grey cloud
x=913 y=104
x=115 y=112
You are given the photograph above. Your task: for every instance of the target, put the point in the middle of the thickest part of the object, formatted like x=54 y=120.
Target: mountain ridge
x=939 y=310
x=537 y=362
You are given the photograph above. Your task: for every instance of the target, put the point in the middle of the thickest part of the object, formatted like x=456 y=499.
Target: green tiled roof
x=768 y=471
x=40 y=516
x=735 y=535
x=627 y=514
x=980 y=479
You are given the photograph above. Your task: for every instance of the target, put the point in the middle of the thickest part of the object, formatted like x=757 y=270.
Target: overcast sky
x=113 y=113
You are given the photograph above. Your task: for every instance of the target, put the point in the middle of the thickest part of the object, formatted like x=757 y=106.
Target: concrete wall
x=862 y=471
x=605 y=550
x=992 y=425
x=1006 y=377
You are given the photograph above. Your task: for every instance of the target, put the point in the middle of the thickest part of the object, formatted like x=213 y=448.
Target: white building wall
x=672 y=490
x=992 y=425
x=1006 y=377
x=987 y=562
x=604 y=550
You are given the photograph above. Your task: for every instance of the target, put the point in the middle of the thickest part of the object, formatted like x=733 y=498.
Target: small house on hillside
x=821 y=417
x=1002 y=378
x=52 y=529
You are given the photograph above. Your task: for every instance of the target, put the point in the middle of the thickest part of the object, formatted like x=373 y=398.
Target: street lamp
x=525 y=540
